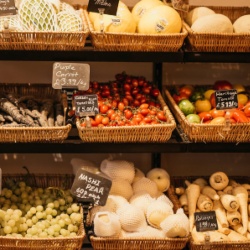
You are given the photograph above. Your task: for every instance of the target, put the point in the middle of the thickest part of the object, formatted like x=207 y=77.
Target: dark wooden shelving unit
x=73 y=143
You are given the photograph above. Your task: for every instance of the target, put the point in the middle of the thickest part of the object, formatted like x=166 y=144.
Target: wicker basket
x=178 y=181
x=33 y=134
x=44 y=40
x=134 y=41
x=237 y=132
x=65 y=243
x=145 y=133
x=99 y=243
x=220 y=42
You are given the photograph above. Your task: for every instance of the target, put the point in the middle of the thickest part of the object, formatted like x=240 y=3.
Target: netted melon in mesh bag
x=65 y=6
x=164 y=198
x=10 y=22
x=141 y=200
x=118 y=169
x=118 y=200
x=132 y=218
x=138 y=175
x=145 y=184
x=37 y=15
x=69 y=21
x=157 y=212
x=107 y=224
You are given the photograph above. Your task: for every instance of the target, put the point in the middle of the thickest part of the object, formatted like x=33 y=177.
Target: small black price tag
x=86 y=105
x=226 y=99
x=71 y=75
x=205 y=221
x=88 y=186
x=109 y=6
x=7 y=7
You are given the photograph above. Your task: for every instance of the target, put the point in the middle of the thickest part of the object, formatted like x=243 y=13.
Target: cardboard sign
x=91 y=187
x=226 y=99
x=86 y=105
x=7 y=7
x=71 y=75
x=205 y=221
x=109 y=6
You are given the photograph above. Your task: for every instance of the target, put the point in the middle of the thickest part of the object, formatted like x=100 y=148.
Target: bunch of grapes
x=38 y=212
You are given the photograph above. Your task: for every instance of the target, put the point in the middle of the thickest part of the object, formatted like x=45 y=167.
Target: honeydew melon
x=242 y=24
x=196 y=13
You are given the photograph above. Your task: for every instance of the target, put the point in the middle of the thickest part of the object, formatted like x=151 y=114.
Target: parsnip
x=247 y=187
x=234 y=218
x=204 y=203
x=224 y=230
x=180 y=190
x=242 y=195
x=228 y=190
x=229 y=202
x=234 y=236
x=233 y=183
x=184 y=202
x=201 y=182
x=248 y=225
x=220 y=213
x=239 y=229
x=218 y=180
x=193 y=193
x=210 y=192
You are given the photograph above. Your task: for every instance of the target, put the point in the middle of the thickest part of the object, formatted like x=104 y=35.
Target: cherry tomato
x=135 y=83
x=127 y=87
x=247 y=110
x=110 y=112
x=136 y=103
x=105 y=120
x=121 y=106
x=144 y=106
x=104 y=108
x=144 y=111
x=147 y=119
x=98 y=118
x=128 y=114
x=161 y=116
x=155 y=92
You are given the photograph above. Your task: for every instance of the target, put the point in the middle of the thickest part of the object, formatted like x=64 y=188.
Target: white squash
x=215 y=23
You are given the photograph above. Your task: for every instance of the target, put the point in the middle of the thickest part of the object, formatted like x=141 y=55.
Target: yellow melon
x=242 y=24
x=141 y=7
x=160 y=20
x=196 y=13
x=215 y=23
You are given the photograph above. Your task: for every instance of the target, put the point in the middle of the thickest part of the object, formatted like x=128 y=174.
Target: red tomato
x=161 y=116
x=128 y=114
x=205 y=116
x=98 y=118
x=222 y=84
x=105 y=120
x=186 y=90
x=217 y=113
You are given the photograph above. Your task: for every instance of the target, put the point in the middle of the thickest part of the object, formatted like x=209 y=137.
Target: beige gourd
x=215 y=23
x=196 y=13
x=242 y=24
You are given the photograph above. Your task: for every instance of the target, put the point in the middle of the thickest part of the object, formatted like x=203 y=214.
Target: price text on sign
x=71 y=75
x=86 y=105
x=226 y=99
x=109 y=6
x=7 y=7
x=91 y=187
x=205 y=221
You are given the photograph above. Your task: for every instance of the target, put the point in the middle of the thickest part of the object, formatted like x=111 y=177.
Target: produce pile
x=43 y=15
x=198 y=103
x=204 y=19
x=137 y=206
x=146 y=17
x=28 y=111
x=32 y=212
x=126 y=101
x=229 y=199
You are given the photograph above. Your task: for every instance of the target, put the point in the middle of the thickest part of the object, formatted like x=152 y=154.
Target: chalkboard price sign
x=226 y=99
x=91 y=187
x=71 y=75
x=205 y=221
x=109 y=6
x=7 y=7
x=86 y=105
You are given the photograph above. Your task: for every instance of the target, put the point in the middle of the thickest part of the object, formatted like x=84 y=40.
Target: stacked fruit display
x=199 y=106
x=126 y=101
x=228 y=198
x=137 y=206
x=204 y=19
x=43 y=15
x=146 y=17
x=38 y=212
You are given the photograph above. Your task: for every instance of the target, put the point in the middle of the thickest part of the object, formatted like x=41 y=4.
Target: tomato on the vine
x=105 y=120
x=121 y=106
x=155 y=92
x=161 y=116
x=128 y=114
x=104 y=108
